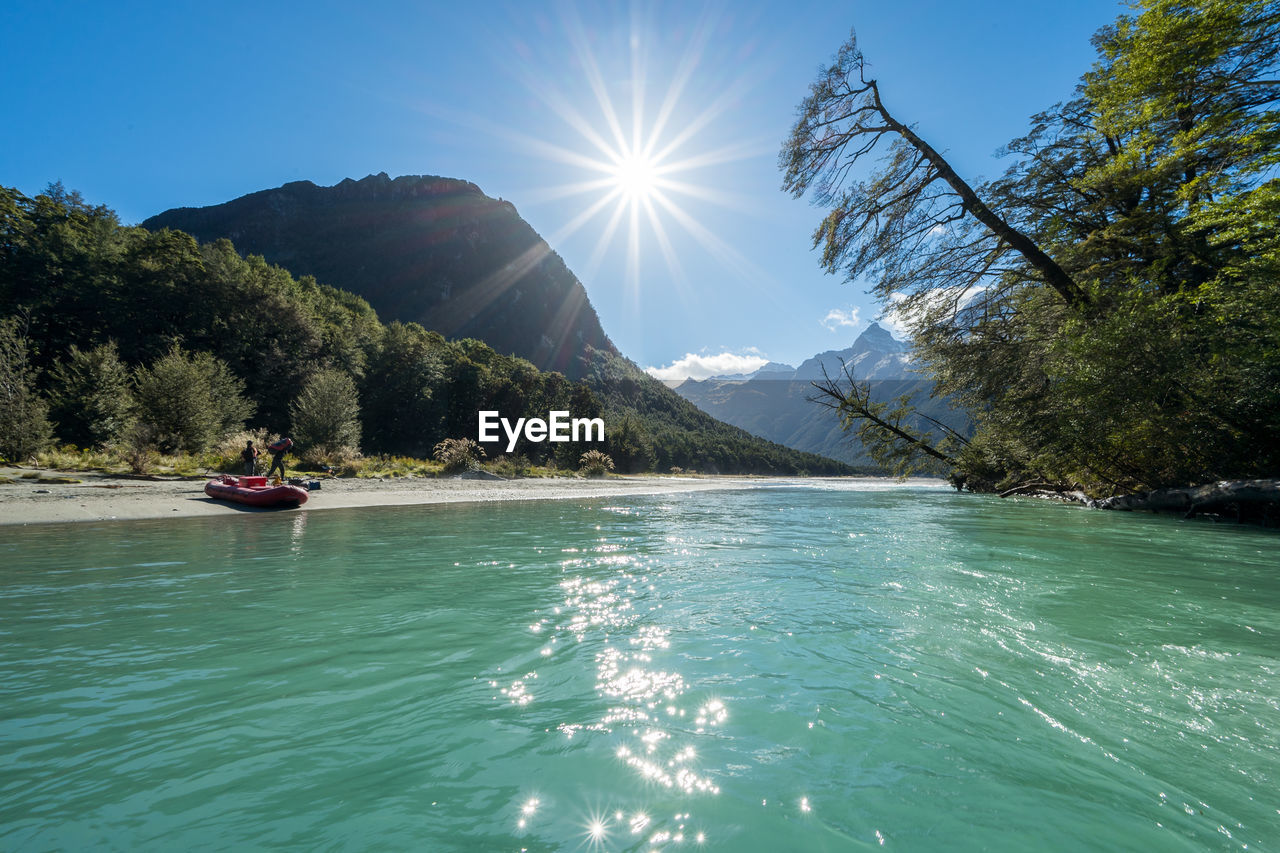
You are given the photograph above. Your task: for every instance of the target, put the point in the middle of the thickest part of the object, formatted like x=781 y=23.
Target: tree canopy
x=1108 y=308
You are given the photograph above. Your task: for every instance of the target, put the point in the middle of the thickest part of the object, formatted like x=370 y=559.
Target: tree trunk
x=1054 y=275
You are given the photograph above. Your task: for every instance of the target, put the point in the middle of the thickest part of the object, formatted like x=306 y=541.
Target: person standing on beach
x=278 y=450
x=250 y=457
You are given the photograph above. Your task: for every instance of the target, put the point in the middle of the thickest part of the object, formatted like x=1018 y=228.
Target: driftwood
x=1197 y=499
x=1051 y=491
x=1256 y=500
x=1036 y=488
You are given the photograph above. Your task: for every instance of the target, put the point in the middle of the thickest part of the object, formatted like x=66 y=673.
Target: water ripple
x=821 y=666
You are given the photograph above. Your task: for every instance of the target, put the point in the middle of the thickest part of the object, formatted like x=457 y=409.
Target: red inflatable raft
x=254 y=491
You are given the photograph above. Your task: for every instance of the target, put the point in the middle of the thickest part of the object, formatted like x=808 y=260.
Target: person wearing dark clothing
x=250 y=457
x=278 y=451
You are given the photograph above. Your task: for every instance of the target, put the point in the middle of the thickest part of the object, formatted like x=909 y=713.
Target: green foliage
x=138 y=447
x=326 y=415
x=582 y=403
x=594 y=463
x=189 y=401
x=1108 y=308
x=91 y=396
x=511 y=467
x=385 y=466
x=85 y=281
x=398 y=392
x=24 y=423
x=71 y=458
x=224 y=457
x=884 y=428
x=458 y=454
x=630 y=446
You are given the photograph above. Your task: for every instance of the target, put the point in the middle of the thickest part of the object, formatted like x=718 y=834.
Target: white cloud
x=893 y=320
x=702 y=366
x=836 y=318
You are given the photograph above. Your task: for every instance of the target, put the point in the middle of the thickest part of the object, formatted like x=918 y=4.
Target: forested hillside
x=115 y=333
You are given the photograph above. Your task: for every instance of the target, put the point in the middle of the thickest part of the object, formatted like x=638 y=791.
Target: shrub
x=137 y=447
x=326 y=415
x=225 y=455
x=321 y=459
x=188 y=402
x=71 y=458
x=458 y=454
x=630 y=445
x=511 y=467
x=91 y=399
x=595 y=463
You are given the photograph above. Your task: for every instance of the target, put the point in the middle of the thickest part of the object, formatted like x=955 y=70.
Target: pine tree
x=24 y=422
x=326 y=415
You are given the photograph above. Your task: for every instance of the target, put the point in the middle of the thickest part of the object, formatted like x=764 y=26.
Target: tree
x=915 y=222
x=326 y=415
x=1106 y=309
x=582 y=403
x=92 y=397
x=188 y=401
x=399 y=407
x=630 y=446
x=24 y=423
x=881 y=428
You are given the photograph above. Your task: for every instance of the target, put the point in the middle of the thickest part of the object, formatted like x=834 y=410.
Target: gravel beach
x=101 y=497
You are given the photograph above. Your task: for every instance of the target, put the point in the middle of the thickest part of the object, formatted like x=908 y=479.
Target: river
x=817 y=666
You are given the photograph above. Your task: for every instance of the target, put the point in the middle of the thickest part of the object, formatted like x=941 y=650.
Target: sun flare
x=639 y=131
x=636 y=176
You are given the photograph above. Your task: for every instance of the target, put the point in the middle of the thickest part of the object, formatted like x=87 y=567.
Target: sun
x=638 y=130
x=636 y=176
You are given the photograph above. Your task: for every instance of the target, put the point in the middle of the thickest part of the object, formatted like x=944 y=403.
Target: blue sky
x=147 y=106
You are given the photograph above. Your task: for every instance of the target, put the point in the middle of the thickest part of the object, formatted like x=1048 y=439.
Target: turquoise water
x=808 y=668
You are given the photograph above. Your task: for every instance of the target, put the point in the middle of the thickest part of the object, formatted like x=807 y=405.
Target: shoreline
x=106 y=497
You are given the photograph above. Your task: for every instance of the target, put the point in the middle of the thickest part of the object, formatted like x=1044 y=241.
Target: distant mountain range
x=774 y=401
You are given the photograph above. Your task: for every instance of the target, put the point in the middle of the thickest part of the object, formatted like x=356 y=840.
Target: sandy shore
x=101 y=497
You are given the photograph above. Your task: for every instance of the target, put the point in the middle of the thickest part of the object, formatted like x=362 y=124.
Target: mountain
x=875 y=354
x=774 y=370
x=773 y=402
x=771 y=370
x=425 y=249
x=438 y=252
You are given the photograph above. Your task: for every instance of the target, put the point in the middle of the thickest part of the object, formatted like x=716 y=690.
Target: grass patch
x=224 y=458
x=71 y=458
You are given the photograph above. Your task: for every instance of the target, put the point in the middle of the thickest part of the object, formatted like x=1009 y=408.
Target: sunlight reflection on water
x=641 y=693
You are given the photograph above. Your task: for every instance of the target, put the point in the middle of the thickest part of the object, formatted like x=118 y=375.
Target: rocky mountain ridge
x=774 y=401
x=420 y=248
